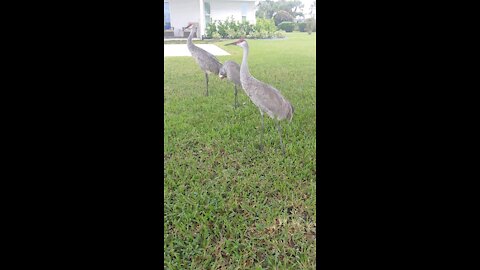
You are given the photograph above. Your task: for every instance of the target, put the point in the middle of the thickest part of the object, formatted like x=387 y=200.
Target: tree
x=292 y=7
x=311 y=22
x=282 y=16
x=313 y=9
x=267 y=9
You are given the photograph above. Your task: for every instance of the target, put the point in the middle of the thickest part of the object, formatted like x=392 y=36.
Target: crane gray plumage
x=231 y=71
x=207 y=62
x=268 y=99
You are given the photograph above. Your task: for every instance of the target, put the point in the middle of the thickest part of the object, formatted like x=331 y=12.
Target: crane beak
x=236 y=42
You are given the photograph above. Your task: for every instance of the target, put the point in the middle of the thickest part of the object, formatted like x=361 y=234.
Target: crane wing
x=206 y=60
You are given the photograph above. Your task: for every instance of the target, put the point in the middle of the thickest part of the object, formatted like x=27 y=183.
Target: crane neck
x=189 y=40
x=244 y=67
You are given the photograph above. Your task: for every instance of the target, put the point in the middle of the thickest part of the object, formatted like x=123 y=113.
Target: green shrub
x=286 y=26
x=265 y=34
x=246 y=28
x=264 y=28
x=231 y=23
x=266 y=25
x=280 y=34
x=231 y=33
x=257 y=34
x=302 y=26
x=311 y=25
x=222 y=28
x=241 y=34
x=216 y=36
x=282 y=16
x=210 y=30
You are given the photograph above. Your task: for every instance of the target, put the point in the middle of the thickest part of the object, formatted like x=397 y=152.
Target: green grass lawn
x=227 y=204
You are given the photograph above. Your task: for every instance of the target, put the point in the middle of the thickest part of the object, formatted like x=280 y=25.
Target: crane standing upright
x=207 y=62
x=264 y=96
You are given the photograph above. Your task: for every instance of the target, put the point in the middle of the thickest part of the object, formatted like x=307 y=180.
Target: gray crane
x=207 y=62
x=231 y=71
x=264 y=96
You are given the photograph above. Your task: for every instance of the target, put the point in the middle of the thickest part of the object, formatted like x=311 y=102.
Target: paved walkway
x=182 y=50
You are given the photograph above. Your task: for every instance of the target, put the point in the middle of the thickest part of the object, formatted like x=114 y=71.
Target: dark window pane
x=207 y=8
x=166 y=16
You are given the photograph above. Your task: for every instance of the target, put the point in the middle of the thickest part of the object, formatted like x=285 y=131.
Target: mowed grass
x=227 y=204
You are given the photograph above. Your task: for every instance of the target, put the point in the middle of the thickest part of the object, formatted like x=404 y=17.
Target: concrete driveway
x=182 y=50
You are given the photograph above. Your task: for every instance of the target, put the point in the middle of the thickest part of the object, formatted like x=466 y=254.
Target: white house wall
x=182 y=12
x=222 y=9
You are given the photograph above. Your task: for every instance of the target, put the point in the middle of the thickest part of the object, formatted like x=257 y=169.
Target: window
x=166 y=16
x=244 y=12
x=206 y=6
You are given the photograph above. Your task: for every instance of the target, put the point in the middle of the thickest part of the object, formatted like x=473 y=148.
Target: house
x=178 y=13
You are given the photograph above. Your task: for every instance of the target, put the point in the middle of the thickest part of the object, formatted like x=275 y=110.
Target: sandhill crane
x=231 y=70
x=207 y=62
x=265 y=97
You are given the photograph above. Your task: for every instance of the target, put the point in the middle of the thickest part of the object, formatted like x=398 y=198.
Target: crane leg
x=261 y=134
x=236 y=102
x=280 y=134
x=206 y=77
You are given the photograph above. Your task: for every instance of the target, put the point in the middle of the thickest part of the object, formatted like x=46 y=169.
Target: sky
x=306 y=6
